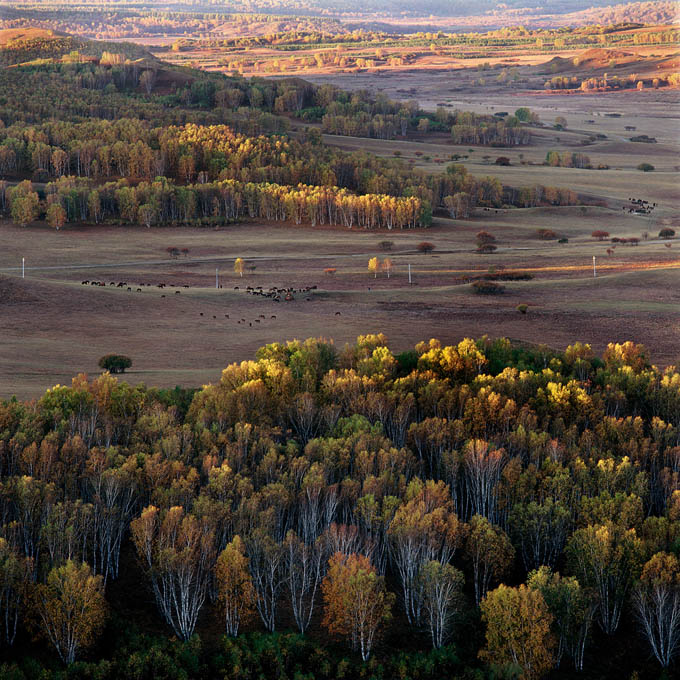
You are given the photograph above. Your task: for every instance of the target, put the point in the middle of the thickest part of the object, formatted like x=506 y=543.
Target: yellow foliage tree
x=235 y=586
x=373 y=266
x=239 y=266
x=518 y=633
x=71 y=608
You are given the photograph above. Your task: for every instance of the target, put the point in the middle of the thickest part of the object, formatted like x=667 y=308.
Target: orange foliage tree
x=356 y=602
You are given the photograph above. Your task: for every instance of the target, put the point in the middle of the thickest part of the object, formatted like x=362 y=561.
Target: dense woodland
x=137 y=142
x=450 y=495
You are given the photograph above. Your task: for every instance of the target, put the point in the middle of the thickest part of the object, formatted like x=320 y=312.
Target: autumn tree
x=16 y=572
x=573 y=609
x=71 y=608
x=489 y=553
x=235 y=590
x=303 y=563
x=266 y=568
x=24 y=203
x=356 y=602
x=387 y=266
x=177 y=552
x=606 y=558
x=657 y=604
x=442 y=586
x=56 y=216
x=239 y=266
x=518 y=633
x=424 y=529
x=374 y=266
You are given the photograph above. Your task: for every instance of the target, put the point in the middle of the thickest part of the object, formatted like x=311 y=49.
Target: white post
x=23 y=269
x=594 y=269
x=409 y=274
x=217 y=278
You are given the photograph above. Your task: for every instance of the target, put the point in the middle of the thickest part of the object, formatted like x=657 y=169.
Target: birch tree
x=657 y=604
x=177 y=551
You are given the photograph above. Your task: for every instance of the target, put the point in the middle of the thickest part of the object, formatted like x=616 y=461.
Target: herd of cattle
x=275 y=294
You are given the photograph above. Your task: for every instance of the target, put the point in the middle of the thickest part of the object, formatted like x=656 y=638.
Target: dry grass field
x=55 y=327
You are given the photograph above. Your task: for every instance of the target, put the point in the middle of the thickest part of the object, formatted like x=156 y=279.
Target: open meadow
x=55 y=327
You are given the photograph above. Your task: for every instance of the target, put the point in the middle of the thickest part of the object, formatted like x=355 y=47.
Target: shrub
x=425 y=247
x=330 y=270
x=563 y=240
x=485 y=237
x=522 y=309
x=488 y=288
x=115 y=363
x=666 y=232
x=646 y=167
x=503 y=160
x=600 y=235
x=486 y=248
x=546 y=234
x=386 y=245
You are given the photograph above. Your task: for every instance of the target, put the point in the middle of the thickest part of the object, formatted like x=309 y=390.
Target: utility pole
x=409 y=274
x=23 y=268
x=594 y=269
x=217 y=277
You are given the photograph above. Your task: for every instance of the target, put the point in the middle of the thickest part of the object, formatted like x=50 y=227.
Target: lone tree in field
x=425 y=247
x=600 y=235
x=239 y=266
x=373 y=266
x=666 y=232
x=387 y=266
x=115 y=363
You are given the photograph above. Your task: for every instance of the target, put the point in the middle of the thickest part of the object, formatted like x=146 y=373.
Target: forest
x=208 y=149
x=326 y=512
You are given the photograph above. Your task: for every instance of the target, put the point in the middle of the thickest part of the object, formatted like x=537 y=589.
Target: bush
x=115 y=363
x=546 y=234
x=488 y=288
x=503 y=160
x=425 y=247
x=485 y=237
x=600 y=235
x=666 y=232
x=522 y=309
x=563 y=240
x=646 y=167
x=486 y=248
x=386 y=245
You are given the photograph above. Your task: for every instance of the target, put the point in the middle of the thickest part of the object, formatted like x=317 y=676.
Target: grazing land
x=55 y=327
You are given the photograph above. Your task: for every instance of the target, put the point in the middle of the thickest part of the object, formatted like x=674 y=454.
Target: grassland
x=55 y=327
